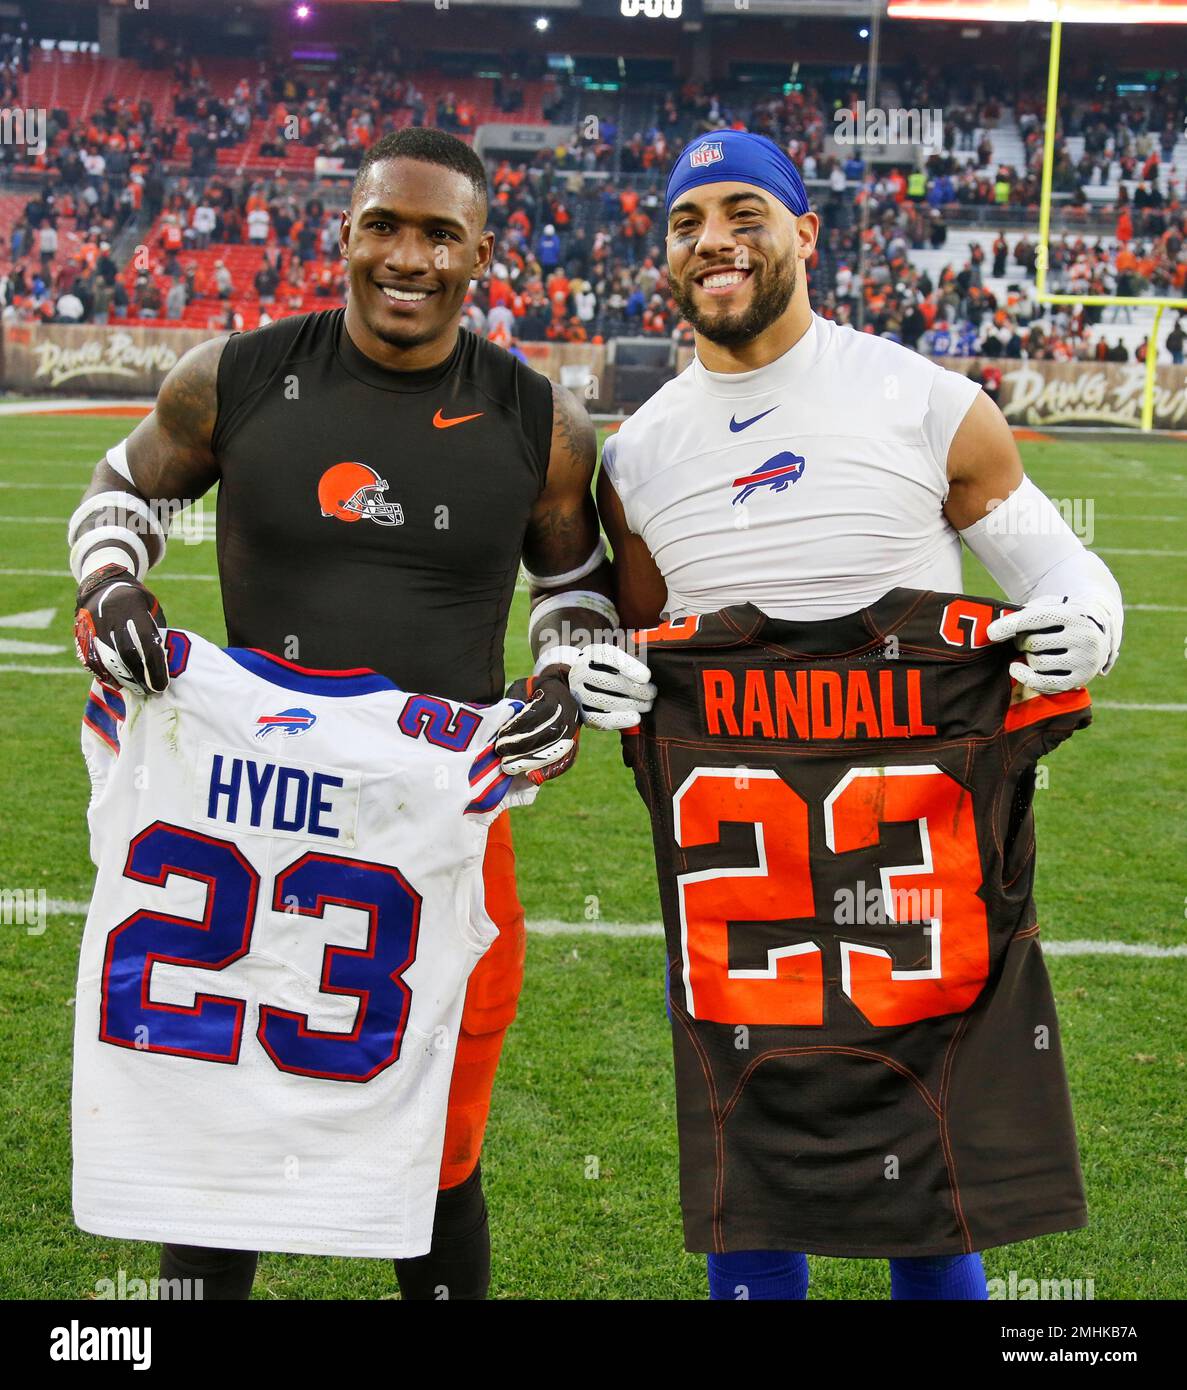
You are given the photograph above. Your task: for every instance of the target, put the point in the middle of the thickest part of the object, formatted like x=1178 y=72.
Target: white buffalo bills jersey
x=809 y=487
x=288 y=903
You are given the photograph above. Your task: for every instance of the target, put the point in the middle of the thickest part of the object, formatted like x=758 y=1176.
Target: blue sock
x=938 y=1276
x=758 y=1274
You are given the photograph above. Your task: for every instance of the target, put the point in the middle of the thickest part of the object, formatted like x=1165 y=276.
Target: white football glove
x=611 y=687
x=1068 y=640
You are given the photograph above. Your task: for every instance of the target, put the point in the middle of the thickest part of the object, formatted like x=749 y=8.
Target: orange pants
x=492 y=995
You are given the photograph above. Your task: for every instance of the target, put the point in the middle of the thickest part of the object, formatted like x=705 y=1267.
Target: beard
x=397 y=334
x=771 y=294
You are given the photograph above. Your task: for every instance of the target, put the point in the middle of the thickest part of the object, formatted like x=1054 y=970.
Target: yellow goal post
x=1157 y=302
x=1056 y=12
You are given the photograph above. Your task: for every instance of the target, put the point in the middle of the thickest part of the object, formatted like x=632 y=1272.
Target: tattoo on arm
x=169 y=452
x=573 y=434
x=563 y=527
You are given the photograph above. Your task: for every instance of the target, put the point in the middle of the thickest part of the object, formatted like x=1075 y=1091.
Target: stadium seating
x=78 y=82
x=642 y=129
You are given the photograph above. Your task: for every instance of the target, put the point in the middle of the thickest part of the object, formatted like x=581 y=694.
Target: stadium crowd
x=579 y=228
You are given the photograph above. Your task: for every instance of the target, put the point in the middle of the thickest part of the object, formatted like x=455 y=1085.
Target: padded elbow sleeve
x=1032 y=552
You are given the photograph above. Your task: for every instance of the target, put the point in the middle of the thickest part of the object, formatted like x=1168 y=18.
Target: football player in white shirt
x=809 y=469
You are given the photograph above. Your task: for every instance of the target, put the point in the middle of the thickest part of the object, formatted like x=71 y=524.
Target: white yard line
x=40 y=487
x=38 y=618
x=1123 y=550
x=65 y=574
x=1111 y=948
x=79 y=403
x=521 y=585
x=38 y=574
x=11 y=668
x=63 y=487
x=551 y=927
x=16 y=646
x=1139 y=705
x=64 y=907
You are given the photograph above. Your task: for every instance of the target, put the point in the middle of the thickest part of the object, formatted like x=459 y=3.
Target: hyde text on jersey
x=266 y=796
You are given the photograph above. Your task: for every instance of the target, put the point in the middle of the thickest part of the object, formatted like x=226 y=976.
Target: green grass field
x=586 y=1072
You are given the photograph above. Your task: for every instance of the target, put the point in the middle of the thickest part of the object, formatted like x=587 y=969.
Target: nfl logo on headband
x=743 y=157
x=708 y=153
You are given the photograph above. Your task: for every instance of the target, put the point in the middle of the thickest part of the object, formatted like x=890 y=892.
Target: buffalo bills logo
x=289 y=722
x=708 y=153
x=777 y=474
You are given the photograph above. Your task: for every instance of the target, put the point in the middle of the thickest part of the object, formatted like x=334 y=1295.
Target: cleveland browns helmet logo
x=351 y=491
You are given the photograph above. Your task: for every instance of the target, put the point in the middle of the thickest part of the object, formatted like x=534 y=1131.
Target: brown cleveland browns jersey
x=867 y=1052
x=375 y=518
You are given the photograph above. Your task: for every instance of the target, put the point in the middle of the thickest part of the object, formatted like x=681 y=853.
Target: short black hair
x=430 y=146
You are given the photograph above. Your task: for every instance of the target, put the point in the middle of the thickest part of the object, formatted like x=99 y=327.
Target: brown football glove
x=541 y=740
x=117 y=631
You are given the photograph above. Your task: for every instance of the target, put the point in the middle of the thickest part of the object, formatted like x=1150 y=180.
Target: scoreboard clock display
x=657 y=12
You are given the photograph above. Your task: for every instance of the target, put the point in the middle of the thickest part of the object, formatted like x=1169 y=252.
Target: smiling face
x=413 y=239
x=733 y=253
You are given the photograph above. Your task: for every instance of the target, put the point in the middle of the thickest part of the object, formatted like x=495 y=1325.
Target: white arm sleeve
x=615 y=478
x=951 y=397
x=1031 y=551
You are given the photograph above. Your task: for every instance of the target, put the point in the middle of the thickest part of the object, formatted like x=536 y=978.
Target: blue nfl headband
x=737 y=156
